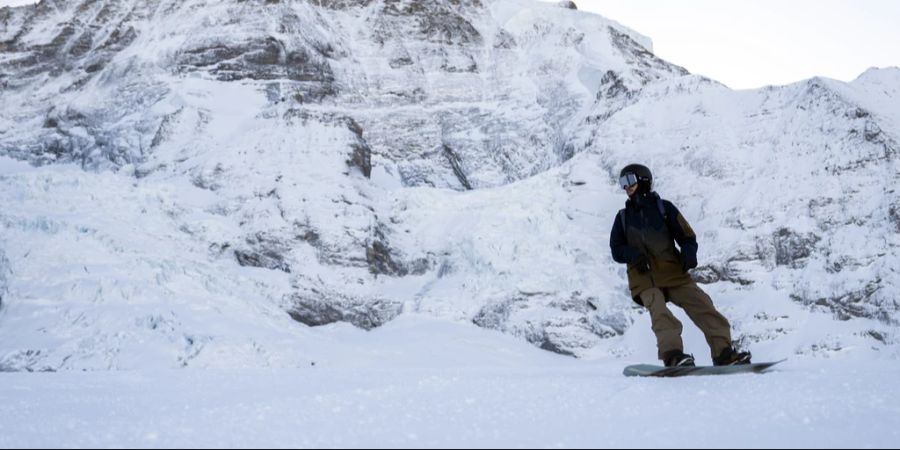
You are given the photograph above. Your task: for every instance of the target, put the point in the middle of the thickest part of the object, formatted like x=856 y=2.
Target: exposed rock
x=455 y=162
x=362 y=153
x=710 y=274
x=612 y=86
x=859 y=303
x=316 y=308
x=258 y=59
x=345 y=4
x=882 y=337
x=438 y=22
x=165 y=128
x=792 y=248
x=383 y=260
x=569 y=326
x=361 y=158
x=25 y=361
x=504 y=40
x=646 y=63
x=264 y=251
x=894 y=215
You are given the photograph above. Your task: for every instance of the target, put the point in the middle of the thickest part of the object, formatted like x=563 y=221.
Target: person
x=643 y=237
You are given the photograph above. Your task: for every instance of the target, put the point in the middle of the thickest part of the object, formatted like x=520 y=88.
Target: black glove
x=688 y=262
x=641 y=263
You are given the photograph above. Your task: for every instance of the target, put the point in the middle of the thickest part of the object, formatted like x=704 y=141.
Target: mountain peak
x=889 y=75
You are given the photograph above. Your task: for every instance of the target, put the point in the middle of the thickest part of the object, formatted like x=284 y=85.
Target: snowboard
x=649 y=370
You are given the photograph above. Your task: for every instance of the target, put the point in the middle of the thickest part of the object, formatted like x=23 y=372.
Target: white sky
x=749 y=44
x=15 y=2
x=753 y=43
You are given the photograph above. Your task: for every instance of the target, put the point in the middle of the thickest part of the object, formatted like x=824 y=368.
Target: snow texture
x=419 y=382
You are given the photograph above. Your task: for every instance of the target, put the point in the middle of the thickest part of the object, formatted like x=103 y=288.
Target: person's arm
x=683 y=234
x=622 y=253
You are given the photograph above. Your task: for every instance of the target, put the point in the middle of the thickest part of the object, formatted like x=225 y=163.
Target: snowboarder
x=643 y=237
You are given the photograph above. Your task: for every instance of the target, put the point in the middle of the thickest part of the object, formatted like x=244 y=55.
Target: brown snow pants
x=698 y=306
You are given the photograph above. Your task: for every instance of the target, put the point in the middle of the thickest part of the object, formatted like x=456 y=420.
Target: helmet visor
x=629 y=179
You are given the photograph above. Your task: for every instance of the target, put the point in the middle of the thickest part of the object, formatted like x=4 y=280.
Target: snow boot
x=678 y=358
x=732 y=357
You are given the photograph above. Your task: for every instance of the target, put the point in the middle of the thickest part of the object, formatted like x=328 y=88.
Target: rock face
x=353 y=160
x=420 y=77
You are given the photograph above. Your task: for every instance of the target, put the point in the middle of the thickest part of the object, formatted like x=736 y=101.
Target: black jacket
x=651 y=226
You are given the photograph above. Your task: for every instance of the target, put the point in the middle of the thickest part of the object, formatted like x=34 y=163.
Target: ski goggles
x=629 y=179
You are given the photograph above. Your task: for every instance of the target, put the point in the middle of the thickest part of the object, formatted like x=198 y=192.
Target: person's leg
x=665 y=325
x=699 y=307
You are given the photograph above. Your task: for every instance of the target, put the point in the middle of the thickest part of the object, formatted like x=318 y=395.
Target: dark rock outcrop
x=264 y=251
x=316 y=308
x=865 y=302
x=792 y=248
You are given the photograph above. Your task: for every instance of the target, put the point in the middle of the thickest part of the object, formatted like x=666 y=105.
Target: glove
x=641 y=263
x=688 y=262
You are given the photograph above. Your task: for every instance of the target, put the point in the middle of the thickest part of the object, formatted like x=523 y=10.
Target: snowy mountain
x=199 y=183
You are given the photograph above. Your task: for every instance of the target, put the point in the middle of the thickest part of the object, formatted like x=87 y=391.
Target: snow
x=425 y=383
x=126 y=260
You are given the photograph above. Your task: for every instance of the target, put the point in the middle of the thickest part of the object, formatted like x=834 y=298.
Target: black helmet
x=636 y=173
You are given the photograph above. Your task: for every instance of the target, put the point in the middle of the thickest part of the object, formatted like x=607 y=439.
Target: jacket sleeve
x=681 y=231
x=618 y=243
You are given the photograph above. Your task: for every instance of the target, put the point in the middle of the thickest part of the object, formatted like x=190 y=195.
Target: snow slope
x=422 y=383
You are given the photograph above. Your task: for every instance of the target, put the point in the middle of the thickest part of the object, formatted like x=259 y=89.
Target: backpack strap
x=665 y=216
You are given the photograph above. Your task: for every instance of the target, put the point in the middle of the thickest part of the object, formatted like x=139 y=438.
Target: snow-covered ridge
x=211 y=173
